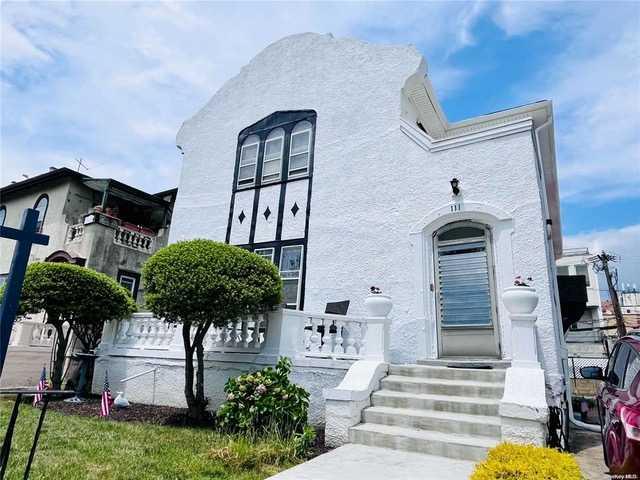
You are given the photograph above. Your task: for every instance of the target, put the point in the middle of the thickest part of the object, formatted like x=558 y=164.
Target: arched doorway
x=60 y=256
x=465 y=291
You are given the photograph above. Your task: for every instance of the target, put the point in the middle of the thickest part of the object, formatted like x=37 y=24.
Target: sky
x=111 y=83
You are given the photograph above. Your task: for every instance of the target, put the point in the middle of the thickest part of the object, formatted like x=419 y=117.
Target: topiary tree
x=76 y=295
x=200 y=283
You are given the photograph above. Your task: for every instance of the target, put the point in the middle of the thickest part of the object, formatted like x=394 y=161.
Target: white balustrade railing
x=76 y=232
x=32 y=333
x=344 y=337
x=136 y=240
x=241 y=335
x=282 y=332
x=146 y=332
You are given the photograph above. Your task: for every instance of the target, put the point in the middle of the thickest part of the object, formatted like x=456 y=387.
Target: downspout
x=551 y=258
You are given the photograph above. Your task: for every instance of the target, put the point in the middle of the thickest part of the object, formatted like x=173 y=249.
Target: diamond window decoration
x=267 y=214
x=295 y=208
x=242 y=216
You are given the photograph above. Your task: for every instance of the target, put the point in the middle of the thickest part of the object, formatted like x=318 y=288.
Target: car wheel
x=602 y=436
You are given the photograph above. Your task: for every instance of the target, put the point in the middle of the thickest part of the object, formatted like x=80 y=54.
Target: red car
x=619 y=405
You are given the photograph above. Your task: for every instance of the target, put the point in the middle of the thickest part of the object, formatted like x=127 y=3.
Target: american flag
x=42 y=386
x=105 y=404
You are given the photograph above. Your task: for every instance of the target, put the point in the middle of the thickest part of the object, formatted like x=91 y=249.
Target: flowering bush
x=520 y=282
x=508 y=461
x=265 y=401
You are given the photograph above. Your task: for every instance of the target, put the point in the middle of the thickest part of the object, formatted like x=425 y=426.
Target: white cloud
x=520 y=18
x=594 y=83
x=120 y=78
x=17 y=49
x=622 y=242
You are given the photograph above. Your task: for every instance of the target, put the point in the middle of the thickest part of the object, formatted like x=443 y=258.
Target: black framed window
x=289 y=259
x=272 y=153
x=41 y=205
x=130 y=281
x=272 y=157
x=275 y=149
x=3 y=215
x=248 y=161
x=300 y=150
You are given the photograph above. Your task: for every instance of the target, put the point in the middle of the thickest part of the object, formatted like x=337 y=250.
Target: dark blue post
x=25 y=236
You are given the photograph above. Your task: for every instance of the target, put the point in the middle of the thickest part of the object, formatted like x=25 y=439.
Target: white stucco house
x=333 y=158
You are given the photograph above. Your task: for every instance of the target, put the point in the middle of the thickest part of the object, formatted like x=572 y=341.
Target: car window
x=617 y=374
x=633 y=368
x=612 y=360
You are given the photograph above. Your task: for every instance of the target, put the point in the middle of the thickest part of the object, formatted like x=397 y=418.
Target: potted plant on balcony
x=377 y=304
x=521 y=298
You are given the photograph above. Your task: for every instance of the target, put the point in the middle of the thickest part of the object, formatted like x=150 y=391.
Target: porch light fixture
x=454 y=186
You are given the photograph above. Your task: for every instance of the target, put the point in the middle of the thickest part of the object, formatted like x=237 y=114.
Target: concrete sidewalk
x=360 y=462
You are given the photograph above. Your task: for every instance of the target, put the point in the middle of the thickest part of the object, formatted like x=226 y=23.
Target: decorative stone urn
x=520 y=299
x=378 y=305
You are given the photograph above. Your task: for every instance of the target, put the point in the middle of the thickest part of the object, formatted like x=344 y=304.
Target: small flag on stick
x=42 y=386
x=105 y=404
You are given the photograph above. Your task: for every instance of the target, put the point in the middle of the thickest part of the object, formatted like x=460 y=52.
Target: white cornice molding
x=430 y=144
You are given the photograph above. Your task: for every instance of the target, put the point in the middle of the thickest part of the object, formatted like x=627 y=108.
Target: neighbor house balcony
x=101 y=228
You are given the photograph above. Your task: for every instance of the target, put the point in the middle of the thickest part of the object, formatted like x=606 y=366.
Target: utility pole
x=601 y=264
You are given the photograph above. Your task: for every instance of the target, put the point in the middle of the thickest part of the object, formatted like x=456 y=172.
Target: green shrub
x=265 y=401
x=200 y=283
x=80 y=296
x=509 y=461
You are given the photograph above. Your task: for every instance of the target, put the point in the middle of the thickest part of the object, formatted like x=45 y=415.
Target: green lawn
x=74 y=447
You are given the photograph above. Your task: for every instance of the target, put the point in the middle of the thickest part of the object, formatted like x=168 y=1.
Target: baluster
x=244 y=333
x=339 y=346
x=35 y=333
x=350 y=348
x=231 y=334
x=307 y=335
x=255 y=334
x=362 y=347
x=315 y=339
x=331 y=336
x=236 y=331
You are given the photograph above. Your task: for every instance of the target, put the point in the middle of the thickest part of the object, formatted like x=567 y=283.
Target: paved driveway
x=587 y=447
x=360 y=462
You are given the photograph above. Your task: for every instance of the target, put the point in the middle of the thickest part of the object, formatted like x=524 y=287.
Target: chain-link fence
x=577 y=362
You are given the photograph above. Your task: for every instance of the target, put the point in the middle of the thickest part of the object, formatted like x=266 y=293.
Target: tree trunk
x=60 y=353
x=188 y=371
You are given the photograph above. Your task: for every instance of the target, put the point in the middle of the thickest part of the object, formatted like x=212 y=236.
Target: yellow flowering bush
x=509 y=461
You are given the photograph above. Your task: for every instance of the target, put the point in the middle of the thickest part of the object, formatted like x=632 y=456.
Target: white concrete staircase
x=431 y=408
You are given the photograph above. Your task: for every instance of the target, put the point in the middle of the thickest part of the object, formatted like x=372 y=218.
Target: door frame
x=420 y=236
x=488 y=238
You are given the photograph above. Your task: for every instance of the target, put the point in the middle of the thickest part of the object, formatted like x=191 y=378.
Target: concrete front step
x=443 y=403
x=466 y=447
x=440 y=386
x=467 y=363
x=446 y=422
x=438 y=371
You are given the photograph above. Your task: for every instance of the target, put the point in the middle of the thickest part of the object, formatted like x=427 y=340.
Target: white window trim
x=299 y=273
x=271 y=251
x=308 y=152
x=254 y=163
x=128 y=277
x=279 y=159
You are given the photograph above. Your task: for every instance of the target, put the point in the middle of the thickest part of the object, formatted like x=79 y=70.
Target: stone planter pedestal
x=523 y=409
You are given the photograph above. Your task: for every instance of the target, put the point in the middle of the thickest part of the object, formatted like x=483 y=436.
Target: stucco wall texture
x=371 y=183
